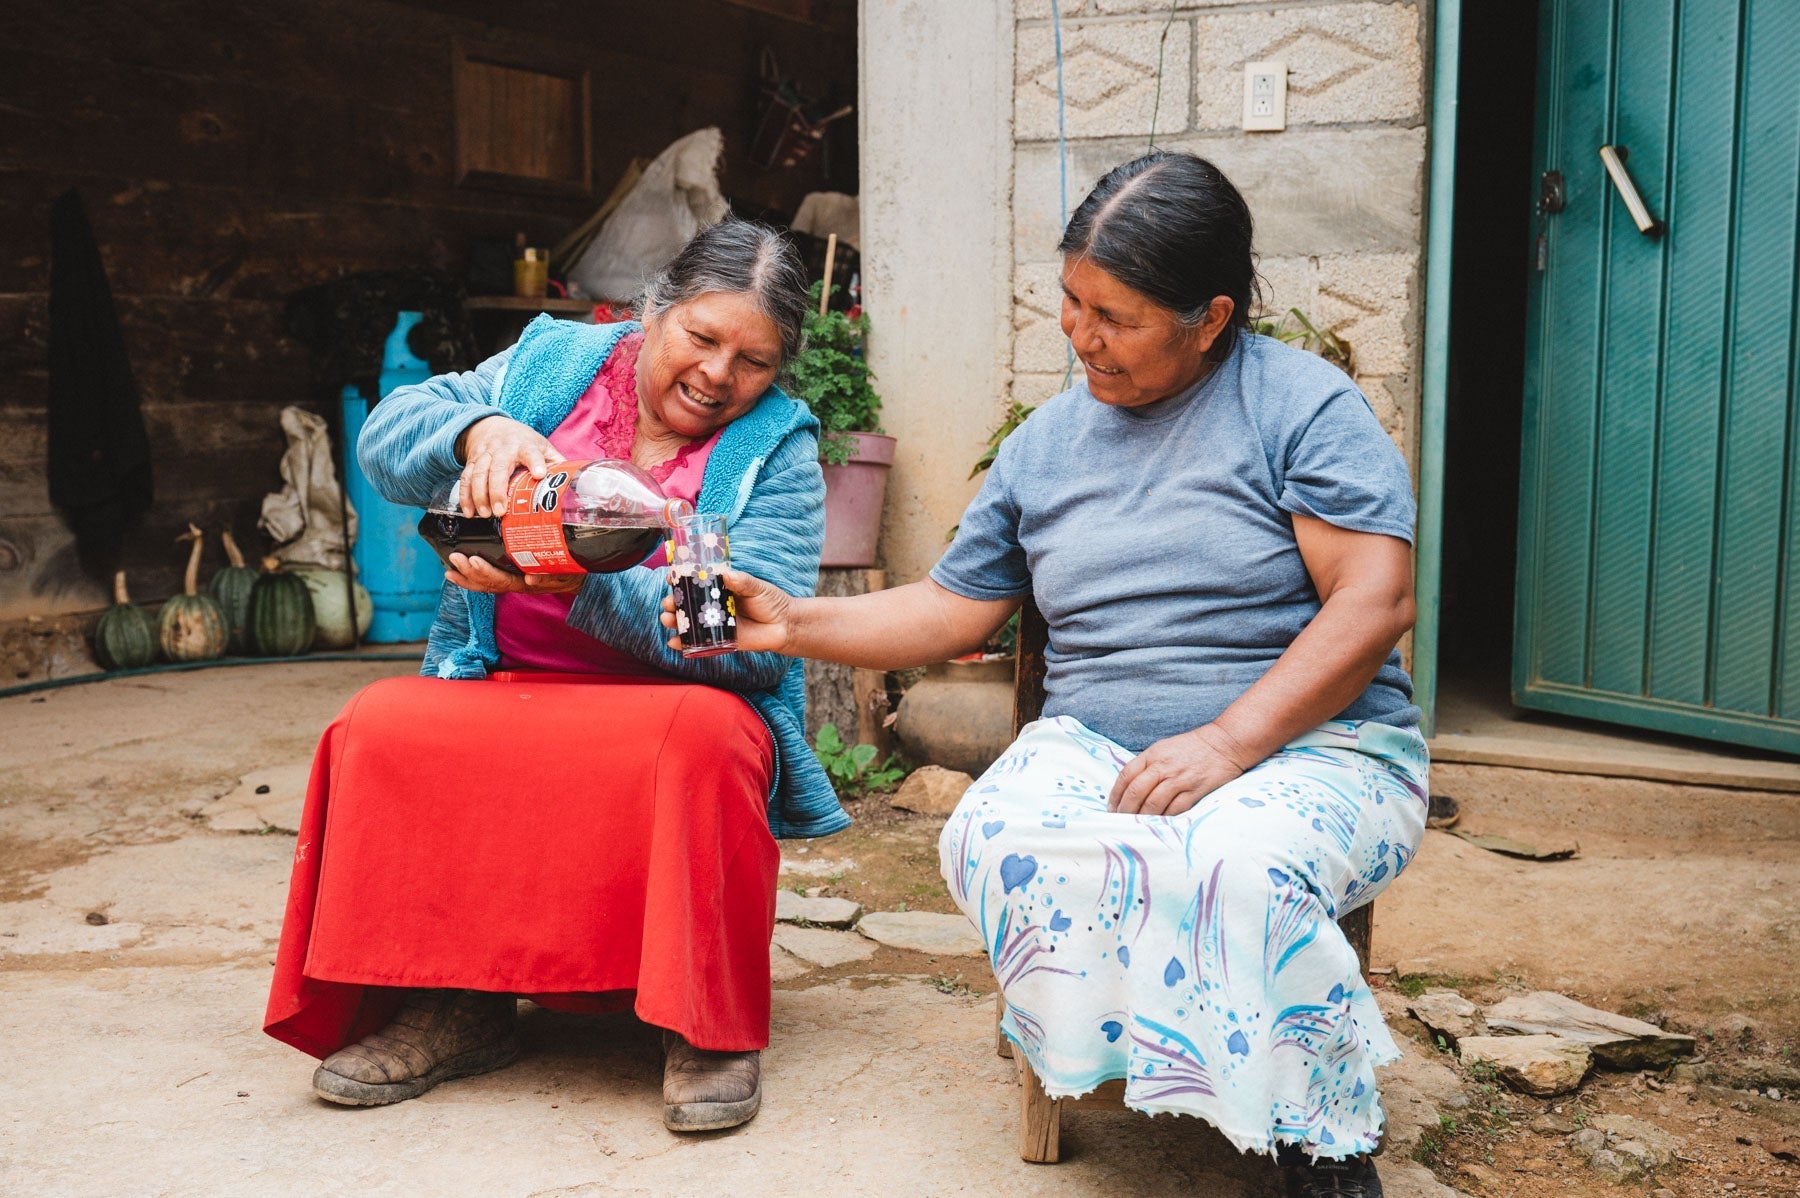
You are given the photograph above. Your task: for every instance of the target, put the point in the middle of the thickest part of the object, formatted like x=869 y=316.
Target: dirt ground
x=135 y=943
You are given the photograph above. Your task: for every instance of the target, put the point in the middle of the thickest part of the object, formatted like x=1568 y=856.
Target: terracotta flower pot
x=853 y=495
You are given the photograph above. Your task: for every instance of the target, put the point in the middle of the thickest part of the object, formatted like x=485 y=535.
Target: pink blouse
x=532 y=630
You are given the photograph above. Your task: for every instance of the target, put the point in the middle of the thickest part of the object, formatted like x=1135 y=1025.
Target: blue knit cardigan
x=763 y=475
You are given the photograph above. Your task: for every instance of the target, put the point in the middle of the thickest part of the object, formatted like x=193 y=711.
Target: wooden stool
x=1040 y=1116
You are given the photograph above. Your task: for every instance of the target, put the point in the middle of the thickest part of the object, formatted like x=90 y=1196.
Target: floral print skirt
x=1196 y=956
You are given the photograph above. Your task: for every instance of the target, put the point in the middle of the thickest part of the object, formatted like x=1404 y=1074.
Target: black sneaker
x=1352 y=1177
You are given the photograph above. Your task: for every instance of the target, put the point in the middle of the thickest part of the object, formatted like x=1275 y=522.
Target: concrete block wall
x=1338 y=197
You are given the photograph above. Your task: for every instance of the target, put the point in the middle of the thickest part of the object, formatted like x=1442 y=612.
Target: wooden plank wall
x=232 y=152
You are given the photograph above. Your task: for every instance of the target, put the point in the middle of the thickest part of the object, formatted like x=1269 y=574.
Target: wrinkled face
x=706 y=362
x=1134 y=350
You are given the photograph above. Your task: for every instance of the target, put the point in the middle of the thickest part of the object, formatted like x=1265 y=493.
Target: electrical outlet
x=1265 y=96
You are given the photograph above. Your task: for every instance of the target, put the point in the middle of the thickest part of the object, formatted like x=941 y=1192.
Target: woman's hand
x=765 y=614
x=1172 y=775
x=493 y=449
x=477 y=574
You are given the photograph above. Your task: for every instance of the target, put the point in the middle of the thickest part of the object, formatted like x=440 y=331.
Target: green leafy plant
x=1016 y=413
x=1295 y=329
x=849 y=765
x=832 y=378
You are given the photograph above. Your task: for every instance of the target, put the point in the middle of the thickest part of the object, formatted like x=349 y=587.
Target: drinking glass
x=705 y=614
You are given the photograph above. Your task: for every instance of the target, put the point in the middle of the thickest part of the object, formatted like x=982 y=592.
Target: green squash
x=331 y=607
x=281 y=621
x=231 y=587
x=125 y=637
x=192 y=626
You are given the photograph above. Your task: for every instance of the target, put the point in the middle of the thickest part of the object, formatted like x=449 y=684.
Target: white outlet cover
x=1265 y=96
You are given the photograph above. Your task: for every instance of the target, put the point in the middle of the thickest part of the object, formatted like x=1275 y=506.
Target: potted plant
x=832 y=378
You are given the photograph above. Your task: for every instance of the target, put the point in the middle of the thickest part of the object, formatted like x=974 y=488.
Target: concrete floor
x=136 y=940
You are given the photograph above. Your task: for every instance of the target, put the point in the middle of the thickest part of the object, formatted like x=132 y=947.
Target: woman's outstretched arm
x=911 y=625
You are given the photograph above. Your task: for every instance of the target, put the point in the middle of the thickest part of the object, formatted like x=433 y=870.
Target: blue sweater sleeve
x=408 y=447
x=778 y=537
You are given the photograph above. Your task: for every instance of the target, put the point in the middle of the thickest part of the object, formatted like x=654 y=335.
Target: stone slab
x=825 y=912
x=1447 y=1014
x=822 y=947
x=785 y=966
x=815 y=867
x=923 y=932
x=1540 y=1065
x=1616 y=1041
x=932 y=790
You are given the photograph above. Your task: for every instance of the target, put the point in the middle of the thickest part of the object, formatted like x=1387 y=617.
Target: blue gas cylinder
x=399 y=569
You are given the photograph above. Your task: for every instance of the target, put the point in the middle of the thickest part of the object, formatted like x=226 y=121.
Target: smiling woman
x=1215 y=528
x=623 y=855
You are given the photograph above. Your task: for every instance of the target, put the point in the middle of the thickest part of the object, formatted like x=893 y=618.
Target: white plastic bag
x=677 y=197
x=302 y=517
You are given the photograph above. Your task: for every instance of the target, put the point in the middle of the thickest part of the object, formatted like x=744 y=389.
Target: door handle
x=1613 y=158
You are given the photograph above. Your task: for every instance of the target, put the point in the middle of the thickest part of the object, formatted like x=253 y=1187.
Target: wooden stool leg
x=1040 y=1118
x=1002 y=1046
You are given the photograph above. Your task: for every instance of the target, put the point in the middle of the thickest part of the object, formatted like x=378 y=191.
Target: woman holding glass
x=1217 y=530
x=562 y=807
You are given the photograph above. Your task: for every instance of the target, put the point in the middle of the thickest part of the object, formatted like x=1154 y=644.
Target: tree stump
x=854 y=700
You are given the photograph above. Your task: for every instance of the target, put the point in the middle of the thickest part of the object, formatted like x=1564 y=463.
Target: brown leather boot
x=708 y=1091
x=437 y=1035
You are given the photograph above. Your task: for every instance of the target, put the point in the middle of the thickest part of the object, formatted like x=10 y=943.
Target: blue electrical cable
x=1062 y=165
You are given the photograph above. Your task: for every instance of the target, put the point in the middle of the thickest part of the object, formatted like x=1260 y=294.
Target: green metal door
x=1658 y=539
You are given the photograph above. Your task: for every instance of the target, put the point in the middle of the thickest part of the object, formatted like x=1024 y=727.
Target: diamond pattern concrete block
x=1367 y=299
x=1288 y=283
x=1109 y=79
x=1034 y=389
x=1346 y=63
x=1038 y=342
x=1039 y=10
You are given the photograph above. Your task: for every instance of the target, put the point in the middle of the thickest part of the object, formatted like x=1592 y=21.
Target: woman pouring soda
x=620 y=852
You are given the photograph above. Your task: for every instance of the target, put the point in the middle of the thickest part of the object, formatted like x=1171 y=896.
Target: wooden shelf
x=513 y=303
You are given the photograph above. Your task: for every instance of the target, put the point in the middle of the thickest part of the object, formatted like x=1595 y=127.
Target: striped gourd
x=231 y=587
x=192 y=626
x=125 y=637
x=281 y=621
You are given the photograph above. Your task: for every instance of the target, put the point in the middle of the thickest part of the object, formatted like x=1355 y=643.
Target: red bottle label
x=532 y=524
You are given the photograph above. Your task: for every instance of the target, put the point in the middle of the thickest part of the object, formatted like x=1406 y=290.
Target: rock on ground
x=923 y=931
x=932 y=790
x=1447 y=1014
x=1414 y=1090
x=1403 y=1179
x=825 y=912
x=1617 y=1042
x=1540 y=1065
x=821 y=947
x=1639 y=1140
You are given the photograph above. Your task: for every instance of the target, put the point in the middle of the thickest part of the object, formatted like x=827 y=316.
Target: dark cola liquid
x=596 y=549
x=711 y=625
x=603 y=550
x=476 y=536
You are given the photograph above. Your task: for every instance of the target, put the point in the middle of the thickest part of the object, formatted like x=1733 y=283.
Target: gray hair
x=742 y=258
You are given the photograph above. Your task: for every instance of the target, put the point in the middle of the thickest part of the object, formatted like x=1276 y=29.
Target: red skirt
x=594 y=843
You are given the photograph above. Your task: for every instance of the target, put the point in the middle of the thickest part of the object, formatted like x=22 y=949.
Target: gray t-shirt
x=1159 y=544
